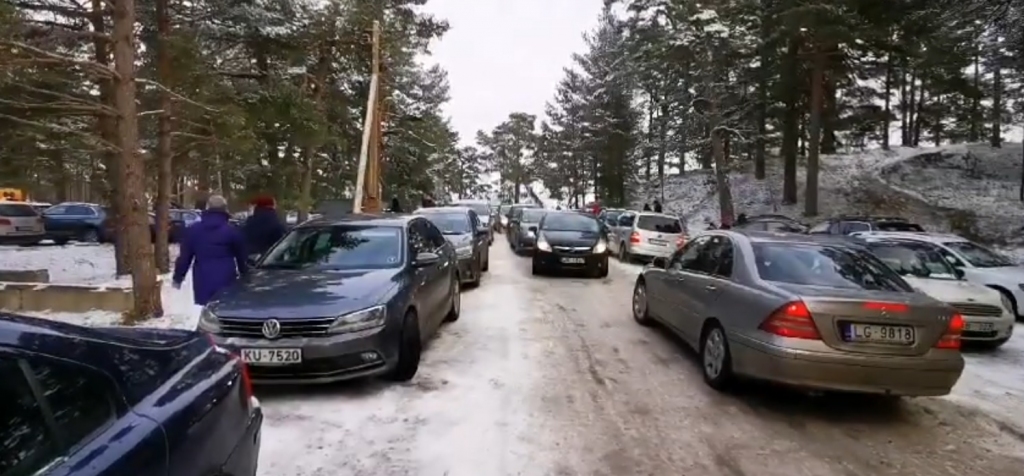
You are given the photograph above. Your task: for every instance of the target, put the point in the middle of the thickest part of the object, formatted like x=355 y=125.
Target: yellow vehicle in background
x=12 y=195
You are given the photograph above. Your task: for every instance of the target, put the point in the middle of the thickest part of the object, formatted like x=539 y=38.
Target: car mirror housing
x=426 y=259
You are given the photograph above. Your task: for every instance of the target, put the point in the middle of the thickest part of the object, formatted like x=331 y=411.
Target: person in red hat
x=263 y=228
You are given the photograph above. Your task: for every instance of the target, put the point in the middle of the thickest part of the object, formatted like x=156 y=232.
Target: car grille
x=972 y=309
x=239 y=327
x=315 y=368
x=573 y=250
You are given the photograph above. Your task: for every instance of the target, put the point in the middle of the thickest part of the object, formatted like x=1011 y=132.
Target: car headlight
x=1021 y=286
x=530 y=234
x=600 y=247
x=208 y=321
x=504 y=220
x=1007 y=304
x=543 y=245
x=464 y=252
x=359 y=320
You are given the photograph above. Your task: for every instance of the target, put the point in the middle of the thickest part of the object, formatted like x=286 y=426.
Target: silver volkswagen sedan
x=813 y=312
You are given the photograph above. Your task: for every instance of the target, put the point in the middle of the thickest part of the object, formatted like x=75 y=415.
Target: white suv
x=20 y=224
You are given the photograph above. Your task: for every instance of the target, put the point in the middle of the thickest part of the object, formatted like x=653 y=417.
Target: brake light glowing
x=4 y=221
x=635 y=237
x=243 y=371
x=886 y=306
x=951 y=338
x=792 y=320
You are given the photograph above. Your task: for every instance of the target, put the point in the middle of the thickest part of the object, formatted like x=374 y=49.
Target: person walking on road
x=647 y=207
x=427 y=202
x=263 y=228
x=396 y=206
x=214 y=250
x=657 y=206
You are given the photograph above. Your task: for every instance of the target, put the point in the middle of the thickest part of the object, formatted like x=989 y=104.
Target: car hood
x=459 y=241
x=285 y=293
x=947 y=290
x=485 y=219
x=1013 y=274
x=571 y=238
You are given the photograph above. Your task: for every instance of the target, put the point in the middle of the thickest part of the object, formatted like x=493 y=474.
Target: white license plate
x=25 y=228
x=879 y=334
x=573 y=260
x=979 y=326
x=272 y=356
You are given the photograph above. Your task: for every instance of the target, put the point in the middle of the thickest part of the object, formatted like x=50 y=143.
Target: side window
x=685 y=257
x=854 y=226
x=950 y=257
x=835 y=228
x=26 y=444
x=474 y=220
x=418 y=242
x=627 y=219
x=722 y=257
x=58 y=210
x=81 y=401
x=78 y=210
x=822 y=227
x=435 y=239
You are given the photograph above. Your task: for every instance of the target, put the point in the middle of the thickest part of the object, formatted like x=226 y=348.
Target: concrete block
x=25 y=276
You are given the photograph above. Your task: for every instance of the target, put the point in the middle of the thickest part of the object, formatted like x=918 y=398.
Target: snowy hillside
x=934 y=186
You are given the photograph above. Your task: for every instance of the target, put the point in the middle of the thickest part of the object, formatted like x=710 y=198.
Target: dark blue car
x=122 y=401
x=338 y=299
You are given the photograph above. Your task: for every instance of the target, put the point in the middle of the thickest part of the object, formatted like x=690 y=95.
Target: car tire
x=90 y=235
x=641 y=314
x=623 y=254
x=61 y=241
x=602 y=270
x=456 y=308
x=715 y=357
x=487 y=262
x=536 y=269
x=410 y=348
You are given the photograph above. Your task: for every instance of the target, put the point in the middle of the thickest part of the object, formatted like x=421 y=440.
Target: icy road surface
x=550 y=376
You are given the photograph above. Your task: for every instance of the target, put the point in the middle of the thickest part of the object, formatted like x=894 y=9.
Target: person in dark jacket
x=263 y=228
x=742 y=219
x=214 y=250
x=396 y=206
x=427 y=202
x=657 y=206
x=647 y=207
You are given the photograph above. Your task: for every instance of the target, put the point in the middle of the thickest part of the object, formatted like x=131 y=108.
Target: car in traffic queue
x=74 y=221
x=776 y=223
x=20 y=224
x=340 y=298
x=521 y=238
x=513 y=214
x=817 y=313
x=849 y=224
x=645 y=235
x=462 y=228
x=979 y=264
x=568 y=241
x=609 y=217
x=88 y=401
x=988 y=314
x=502 y=222
x=484 y=213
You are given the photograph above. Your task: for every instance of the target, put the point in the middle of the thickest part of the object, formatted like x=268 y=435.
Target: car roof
x=472 y=200
x=914 y=235
x=361 y=219
x=446 y=209
x=757 y=236
x=656 y=214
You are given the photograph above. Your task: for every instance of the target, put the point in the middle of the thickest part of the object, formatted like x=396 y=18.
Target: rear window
x=532 y=215
x=17 y=210
x=337 y=247
x=913 y=259
x=480 y=208
x=659 y=224
x=570 y=222
x=824 y=265
x=897 y=226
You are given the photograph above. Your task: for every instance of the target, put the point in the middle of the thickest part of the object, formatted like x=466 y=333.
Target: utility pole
x=368 y=182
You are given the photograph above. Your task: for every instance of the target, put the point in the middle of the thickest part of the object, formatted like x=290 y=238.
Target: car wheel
x=715 y=358
x=487 y=262
x=602 y=271
x=640 y=313
x=456 y=310
x=536 y=269
x=60 y=241
x=409 y=350
x=623 y=254
x=1013 y=301
x=91 y=236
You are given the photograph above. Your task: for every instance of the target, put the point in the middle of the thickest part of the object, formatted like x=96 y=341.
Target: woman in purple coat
x=215 y=251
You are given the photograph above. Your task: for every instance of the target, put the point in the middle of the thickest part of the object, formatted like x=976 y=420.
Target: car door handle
x=710 y=287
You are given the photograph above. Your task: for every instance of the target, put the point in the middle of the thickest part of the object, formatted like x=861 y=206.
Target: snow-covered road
x=550 y=376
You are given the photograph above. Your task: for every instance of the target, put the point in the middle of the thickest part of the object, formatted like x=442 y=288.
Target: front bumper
x=557 y=260
x=994 y=328
x=913 y=376
x=325 y=359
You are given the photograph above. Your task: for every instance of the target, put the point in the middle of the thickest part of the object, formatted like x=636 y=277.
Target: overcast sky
x=504 y=56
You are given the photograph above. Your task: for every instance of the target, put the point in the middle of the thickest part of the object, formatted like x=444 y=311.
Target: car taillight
x=887 y=306
x=680 y=242
x=951 y=338
x=4 y=221
x=243 y=370
x=635 y=237
x=792 y=320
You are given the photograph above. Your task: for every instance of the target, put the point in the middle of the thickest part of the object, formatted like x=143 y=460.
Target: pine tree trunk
x=975 y=134
x=145 y=287
x=763 y=78
x=887 y=110
x=164 y=153
x=790 y=122
x=814 y=132
x=996 y=139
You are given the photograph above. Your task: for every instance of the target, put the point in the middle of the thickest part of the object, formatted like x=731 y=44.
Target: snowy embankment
x=94 y=265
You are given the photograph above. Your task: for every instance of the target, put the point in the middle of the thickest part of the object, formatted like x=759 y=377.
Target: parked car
x=521 y=238
x=979 y=264
x=502 y=223
x=39 y=206
x=609 y=217
x=775 y=223
x=20 y=224
x=645 y=236
x=122 y=401
x=483 y=212
x=74 y=221
x=845 y=225
x=463 y=229
x=515 y=213
x=988 y=314
x=340 y=298
x=812 y=312
x=109 y=230
x=570 y=241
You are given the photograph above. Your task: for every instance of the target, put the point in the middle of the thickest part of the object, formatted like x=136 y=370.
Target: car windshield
x=569 y=222
x=783 y=226
x=480 y=208
x=503 y=209
x=824 y=265
x=337 y=247
x=978 y=255
x=533 y=215
x=451 y=223
x=897 y=226
x=660 y=224
x=913 y=259
x=612 y=216
x=17 y=210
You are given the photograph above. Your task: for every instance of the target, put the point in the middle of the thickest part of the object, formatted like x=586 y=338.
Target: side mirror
x=533 y=229
x=425 y=259
x=958 y=272
x=659 y=262
x=483 y=231
x=252 y=260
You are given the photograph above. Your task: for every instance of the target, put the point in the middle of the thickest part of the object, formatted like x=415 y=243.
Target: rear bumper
x=244 y=459
x=903 y=376
x=651 y=251
x=21 y=239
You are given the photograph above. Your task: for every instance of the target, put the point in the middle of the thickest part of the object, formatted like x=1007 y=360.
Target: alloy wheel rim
x=639 y=302
x=714 y=353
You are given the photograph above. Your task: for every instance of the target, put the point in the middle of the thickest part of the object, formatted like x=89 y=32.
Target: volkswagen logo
x=271 y=328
